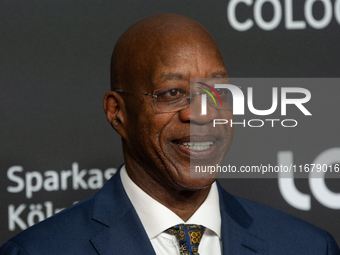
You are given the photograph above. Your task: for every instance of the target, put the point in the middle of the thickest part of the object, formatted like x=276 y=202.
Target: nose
x=193 y=112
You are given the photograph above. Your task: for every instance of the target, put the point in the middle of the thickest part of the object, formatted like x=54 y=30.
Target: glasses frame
x=189 y=98
x=155 y=96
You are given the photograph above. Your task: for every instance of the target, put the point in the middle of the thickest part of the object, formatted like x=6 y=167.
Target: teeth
x=197 y=146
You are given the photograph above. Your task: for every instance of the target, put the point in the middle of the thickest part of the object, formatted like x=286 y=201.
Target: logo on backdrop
x=279 y=12
x=28 y=183
x=316 y=179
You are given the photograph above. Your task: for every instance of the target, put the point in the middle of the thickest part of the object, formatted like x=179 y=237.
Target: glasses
x=177 y=99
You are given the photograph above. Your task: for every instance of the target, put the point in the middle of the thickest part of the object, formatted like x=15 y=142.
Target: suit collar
x=237 y=234
x=111 y=202
x=124 y=233
x=232 y=207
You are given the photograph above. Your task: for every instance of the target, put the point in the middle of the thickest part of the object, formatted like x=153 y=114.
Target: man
x=143 y=208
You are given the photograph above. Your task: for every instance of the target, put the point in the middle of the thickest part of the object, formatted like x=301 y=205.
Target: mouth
x=197 y=146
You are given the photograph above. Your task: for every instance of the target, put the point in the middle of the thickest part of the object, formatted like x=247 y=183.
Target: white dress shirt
x=156 y=218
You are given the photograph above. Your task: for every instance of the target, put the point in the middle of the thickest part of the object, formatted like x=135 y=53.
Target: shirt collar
x=156 y=218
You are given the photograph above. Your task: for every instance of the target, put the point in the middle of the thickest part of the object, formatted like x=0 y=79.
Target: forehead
x=180 y=65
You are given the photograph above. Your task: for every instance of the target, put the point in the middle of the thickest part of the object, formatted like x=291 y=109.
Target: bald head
x=158 y=56
x=155 y=41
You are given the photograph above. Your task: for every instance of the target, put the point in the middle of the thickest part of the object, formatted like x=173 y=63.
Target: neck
x=181 y=200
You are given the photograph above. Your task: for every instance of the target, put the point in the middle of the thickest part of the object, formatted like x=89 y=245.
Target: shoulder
x=279 y=232
x=71 y=230
x=280 y=229
x=65 y=229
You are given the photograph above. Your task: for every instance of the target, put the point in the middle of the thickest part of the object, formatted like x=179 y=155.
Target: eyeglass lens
x=175 y=99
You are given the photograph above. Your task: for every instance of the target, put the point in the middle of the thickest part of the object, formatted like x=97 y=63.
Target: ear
x=114 y=107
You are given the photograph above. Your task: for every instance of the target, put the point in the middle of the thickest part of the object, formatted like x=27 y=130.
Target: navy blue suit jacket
x=107 y=223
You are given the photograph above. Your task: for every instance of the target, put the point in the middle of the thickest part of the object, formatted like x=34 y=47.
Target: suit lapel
x=125 y=237
x=237 y=237
x=124 y=233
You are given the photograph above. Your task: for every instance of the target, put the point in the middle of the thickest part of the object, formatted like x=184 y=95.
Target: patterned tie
x=188 y=236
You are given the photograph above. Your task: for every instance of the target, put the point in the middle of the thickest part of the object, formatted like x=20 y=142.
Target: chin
x=196 y=183
x=184 y=176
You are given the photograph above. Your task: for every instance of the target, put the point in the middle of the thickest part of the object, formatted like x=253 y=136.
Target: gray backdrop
x=56 y=145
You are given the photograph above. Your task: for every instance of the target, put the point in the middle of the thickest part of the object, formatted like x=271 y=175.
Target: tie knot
x=189 y=237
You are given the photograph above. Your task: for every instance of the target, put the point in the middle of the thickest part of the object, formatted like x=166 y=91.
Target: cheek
x=138 y=126
x=227 y=130
x=230 y=130
x=150 y=127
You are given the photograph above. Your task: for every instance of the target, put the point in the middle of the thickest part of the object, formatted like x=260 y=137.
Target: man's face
x=161 y=142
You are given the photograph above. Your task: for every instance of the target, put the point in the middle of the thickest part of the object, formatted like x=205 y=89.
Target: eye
x=171 y=94
x=222 y=92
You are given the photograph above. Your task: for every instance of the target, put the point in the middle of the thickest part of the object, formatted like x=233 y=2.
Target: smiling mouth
x=197 y=146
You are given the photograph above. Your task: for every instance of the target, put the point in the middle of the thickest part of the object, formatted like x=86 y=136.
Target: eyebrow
x=172 y=76
x=219 y=74
x=180 y=76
